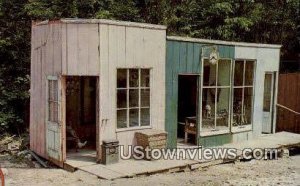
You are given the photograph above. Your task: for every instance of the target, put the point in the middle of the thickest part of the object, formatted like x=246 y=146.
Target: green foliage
x=272 y=21
x=14 y=66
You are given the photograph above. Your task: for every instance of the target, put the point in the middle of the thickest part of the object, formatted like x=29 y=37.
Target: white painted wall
x=130 y=47
x=267 y=60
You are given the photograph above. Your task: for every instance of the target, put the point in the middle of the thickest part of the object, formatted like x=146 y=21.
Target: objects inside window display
x=216 y=95
x=243 y=93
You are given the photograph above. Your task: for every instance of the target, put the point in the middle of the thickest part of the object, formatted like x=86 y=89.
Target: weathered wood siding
x=130 y=47
x=184 y=58
x=80 y=49
x=45 y=60
x=65 y=48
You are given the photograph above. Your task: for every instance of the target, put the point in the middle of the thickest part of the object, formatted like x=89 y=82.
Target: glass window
x=145 y=78
x=238 y=73
x=145 y=116
x=267 y=93
x=222 y=119
x=224 y=68
x=242 y=93
x=249 y=73
x=209 y=76
x=216 y=95
x=53 y=101
x=122 y=118
x=133 y=98
x=122 y=78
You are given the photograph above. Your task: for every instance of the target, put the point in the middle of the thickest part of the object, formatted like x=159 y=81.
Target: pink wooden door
x=54 y=130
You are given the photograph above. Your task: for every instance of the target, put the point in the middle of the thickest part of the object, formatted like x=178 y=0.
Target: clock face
x=213 y=57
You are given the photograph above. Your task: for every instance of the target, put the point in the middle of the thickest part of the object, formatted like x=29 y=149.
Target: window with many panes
x=133 y=98
x=216 y=96
x=53 y=101
x=242 y=102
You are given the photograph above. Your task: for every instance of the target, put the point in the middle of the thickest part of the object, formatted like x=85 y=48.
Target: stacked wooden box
x=151 y=138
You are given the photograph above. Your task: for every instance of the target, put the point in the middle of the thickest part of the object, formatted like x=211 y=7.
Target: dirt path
x=284 y=171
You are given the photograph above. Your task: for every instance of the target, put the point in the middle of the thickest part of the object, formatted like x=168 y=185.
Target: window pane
x=249 y=73
x=224 y=69
x=133 y=98
x=223 y=108
x=122 y=118
x=209 y=76
x=121 y=78
x=55 y=112
x=237 y=106
x=267 y=92
x=50 y=90
x=238 y=73
x=133 y=117
x=208 y=109
x=55 y=90
x=133 y=77
x=248 y=94
x=50 y=111
x=122 y=99
x=145 y=117
x=145 y=97
x=145 y=78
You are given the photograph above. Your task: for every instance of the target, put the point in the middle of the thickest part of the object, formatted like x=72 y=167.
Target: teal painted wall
x=209 y=141
x=184 y=58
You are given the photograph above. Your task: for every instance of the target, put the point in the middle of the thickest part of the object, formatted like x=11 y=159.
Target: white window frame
x=215 y=132
x=248 y=127
x=139 y=101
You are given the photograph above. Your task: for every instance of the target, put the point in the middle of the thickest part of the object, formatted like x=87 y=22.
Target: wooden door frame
x=198 y=103
x=63 y=115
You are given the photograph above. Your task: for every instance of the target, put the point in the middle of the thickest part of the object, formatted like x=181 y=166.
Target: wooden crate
x=153 y=139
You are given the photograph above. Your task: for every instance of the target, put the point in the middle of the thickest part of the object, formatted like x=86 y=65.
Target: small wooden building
x=219 y=92
x=97 y=78
x=101 y=79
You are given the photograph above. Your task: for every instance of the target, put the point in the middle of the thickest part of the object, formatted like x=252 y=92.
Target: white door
x=268 y=102
x=54 y=122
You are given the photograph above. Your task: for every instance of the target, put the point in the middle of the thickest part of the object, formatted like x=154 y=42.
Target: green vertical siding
x=210 y=141
x=184 y=57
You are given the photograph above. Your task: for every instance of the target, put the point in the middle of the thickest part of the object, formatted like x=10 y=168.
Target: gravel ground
x=285 y=171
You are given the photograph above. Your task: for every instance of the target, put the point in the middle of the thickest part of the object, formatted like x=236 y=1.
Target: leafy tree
x=14 y=66
x=264 y=21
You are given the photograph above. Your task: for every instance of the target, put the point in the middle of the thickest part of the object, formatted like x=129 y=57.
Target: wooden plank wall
x=80 y=49
x=130 y=47
x=45 y=60
x=289 y=96
x=184 y=58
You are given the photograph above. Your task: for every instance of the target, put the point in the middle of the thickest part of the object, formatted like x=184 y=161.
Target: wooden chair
x=190 y=127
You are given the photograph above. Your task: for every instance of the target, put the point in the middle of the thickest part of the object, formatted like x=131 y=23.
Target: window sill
x=213 y=133
x=244 y=128
x=133 y=128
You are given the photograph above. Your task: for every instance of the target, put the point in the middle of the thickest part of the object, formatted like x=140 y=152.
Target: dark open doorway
x=187 y=108
x=81 y=122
